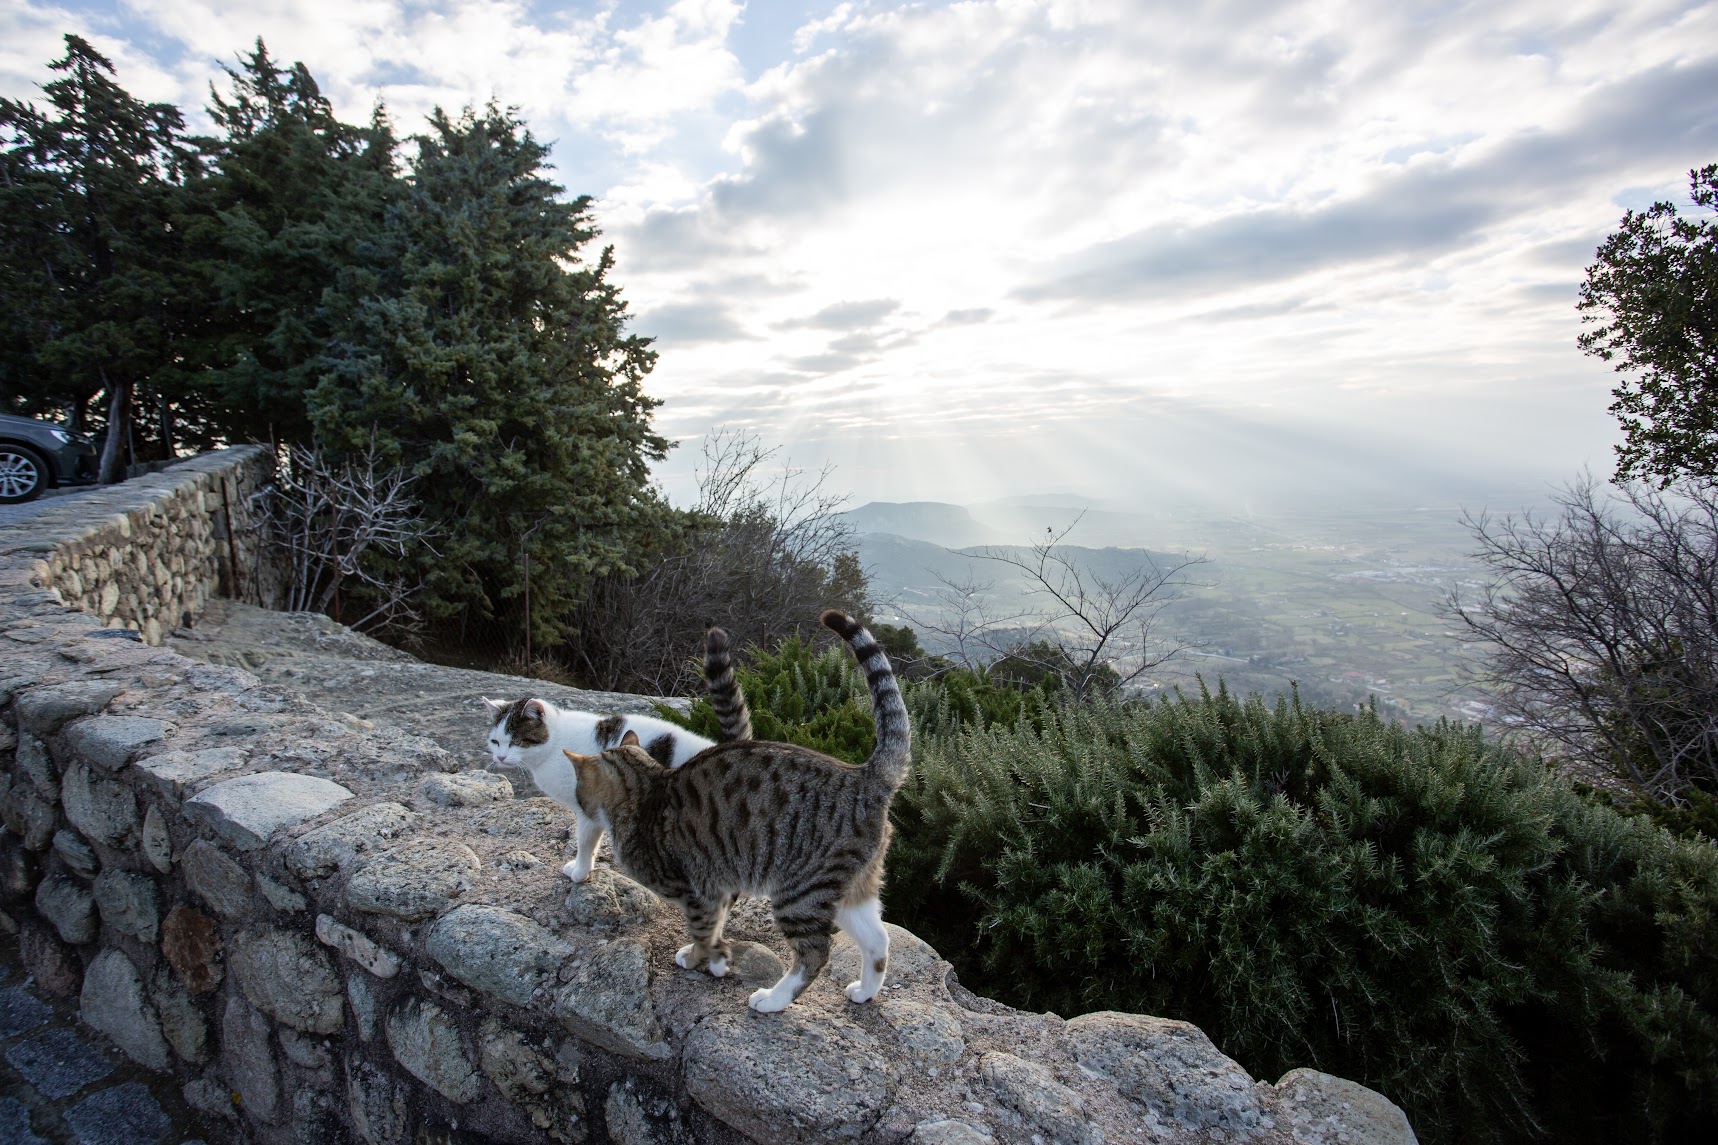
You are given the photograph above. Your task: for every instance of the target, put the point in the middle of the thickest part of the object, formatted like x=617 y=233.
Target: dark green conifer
x=87 y=200
x=482 y=344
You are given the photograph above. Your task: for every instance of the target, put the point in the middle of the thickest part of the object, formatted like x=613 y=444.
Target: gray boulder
x=415 y=880
x=497 y=951
x=1169 y=1067
x=794 y=1076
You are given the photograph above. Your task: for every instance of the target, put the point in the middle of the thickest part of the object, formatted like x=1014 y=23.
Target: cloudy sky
x=1254 y=252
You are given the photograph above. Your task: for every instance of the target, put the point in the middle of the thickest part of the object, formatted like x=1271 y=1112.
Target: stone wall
x=148 y=554
x=326 y=931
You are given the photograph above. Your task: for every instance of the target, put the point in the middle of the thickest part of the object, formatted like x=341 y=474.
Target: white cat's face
x=518 y=728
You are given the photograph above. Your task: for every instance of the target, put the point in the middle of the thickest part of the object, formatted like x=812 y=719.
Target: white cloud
x=1072 y=218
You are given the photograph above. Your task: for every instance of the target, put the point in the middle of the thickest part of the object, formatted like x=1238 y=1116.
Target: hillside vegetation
x=1435 y=915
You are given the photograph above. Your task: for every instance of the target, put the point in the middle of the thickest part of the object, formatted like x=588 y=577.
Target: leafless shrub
x=1087 y=627
x=1600 y=630
x=762 y=554
x=343 y=528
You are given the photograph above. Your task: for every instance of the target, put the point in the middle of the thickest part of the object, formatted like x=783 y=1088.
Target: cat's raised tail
x=888 y=762
x=725 y=694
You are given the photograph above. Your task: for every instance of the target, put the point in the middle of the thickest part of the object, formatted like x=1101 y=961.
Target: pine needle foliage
x=1437 y=916
x=1419 y=910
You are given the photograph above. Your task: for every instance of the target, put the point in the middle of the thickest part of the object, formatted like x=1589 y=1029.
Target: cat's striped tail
x=725 y=694
x=889 y=760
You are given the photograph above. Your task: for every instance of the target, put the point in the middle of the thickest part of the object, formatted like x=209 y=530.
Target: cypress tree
x=482 y=344
x=293 y=197
x=93 y=298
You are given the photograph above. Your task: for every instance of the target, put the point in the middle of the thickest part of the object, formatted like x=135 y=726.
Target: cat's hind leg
x=863 y=923
x=808 y=927
x=589 y=834
x=705 y=919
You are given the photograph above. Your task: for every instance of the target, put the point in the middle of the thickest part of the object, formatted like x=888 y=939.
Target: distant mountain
x=933 y=521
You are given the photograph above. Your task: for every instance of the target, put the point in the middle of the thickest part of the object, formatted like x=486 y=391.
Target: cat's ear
x=496 y=707
x=630 y=739
x=534 y=709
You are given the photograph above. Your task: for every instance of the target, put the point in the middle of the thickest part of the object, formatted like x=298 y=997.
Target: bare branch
x=1600 y=630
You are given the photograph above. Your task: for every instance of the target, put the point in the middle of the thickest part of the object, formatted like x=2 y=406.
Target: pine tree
x=483 y=347
x=92 y=296
x=291 y=199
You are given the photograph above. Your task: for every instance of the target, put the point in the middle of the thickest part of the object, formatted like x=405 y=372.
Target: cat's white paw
x=683 y=957
x=856 y=991
x=718 y=967
x=768 y=1002
x=575 y=872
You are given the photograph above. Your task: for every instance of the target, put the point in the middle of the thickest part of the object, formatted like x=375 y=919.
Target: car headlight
x=61 y=436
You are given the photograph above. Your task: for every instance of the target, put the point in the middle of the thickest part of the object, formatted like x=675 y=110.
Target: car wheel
x=23 y=474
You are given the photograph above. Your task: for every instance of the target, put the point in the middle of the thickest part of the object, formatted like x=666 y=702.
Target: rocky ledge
x=330 y=926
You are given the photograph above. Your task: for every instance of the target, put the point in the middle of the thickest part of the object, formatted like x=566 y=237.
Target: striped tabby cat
x=758 y=818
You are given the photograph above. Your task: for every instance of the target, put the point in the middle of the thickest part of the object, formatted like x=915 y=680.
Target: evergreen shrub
x=1436 y=916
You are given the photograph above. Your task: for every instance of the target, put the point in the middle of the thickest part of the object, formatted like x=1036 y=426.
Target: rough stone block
x=103 y=809
x=1320 y=1109
x=58 y=1063
x=28 y=816
x=247 y=1061
x=76 y=854
x=123 y=1115
x=794 y=1076
x=113 y=1002
x=946 y=1132
x=38 y=768
x=363 y=997
x=19 y=870
x=1169 y=1067
x=304 y=1050
x=217 y=879
x=360 y=948
x=247 y=810
x=378 y=1105
x=630 y=1122
x=280 y=896
x=175 y=772
x=497 y=951
x=157 y=844
x=415 y=880
x=128 y=904
x=109 y=742
x=930 y=1033
x=536 y=1078
x=608 y=1002
x=70 y=906
x=1044 y=1105
x=209 y=1097
x=15 y=1123
x=20 y=1011
x=286 y=977
x=192 y=944
x=426 y=1041
x=323 y=851
x=466 y=789
x=608 y=899
x=42 y=711
x=181 y=1021
x=52 y=963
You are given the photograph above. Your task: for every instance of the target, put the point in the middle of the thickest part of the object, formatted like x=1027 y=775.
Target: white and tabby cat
x=535 y=734
x=750 y=817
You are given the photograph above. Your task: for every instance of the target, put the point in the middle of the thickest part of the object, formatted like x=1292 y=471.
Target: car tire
x=23 y=474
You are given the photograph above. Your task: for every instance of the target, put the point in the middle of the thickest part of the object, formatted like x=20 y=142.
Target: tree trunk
x=118 y=431
x=166 y=416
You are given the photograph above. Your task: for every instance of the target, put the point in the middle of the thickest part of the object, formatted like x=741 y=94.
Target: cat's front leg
x=589 y=834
